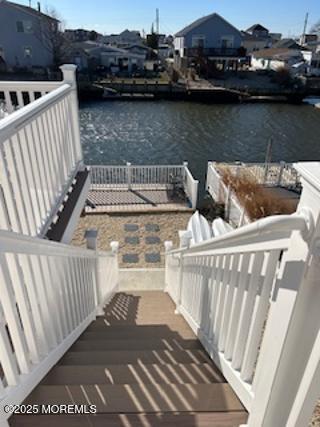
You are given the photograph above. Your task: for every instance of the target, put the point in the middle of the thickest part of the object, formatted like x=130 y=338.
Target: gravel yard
x=141 y=237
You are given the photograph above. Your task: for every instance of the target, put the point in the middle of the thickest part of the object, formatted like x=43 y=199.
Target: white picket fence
x=40 y=154
x=145 y=177
x=49 y=294
x=252 y=297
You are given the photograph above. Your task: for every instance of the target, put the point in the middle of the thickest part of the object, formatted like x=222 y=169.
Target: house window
x=27 y=52
x=227 y=42
x=24 y=27
x=198 y=41
x=20 y=28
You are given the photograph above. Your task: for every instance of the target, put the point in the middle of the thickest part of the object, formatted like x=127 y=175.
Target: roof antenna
x=157 y=21
x=303 y=38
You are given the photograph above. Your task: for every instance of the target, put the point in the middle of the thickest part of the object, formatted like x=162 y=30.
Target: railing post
x=185 y=176
x=168 y=246
x=69 y=77
x=191 y=184
x=241 y=221
x=227 y=204
x=287 y=379
x=194 y=193
x=115 y=251
x=91 y=237
x=282 y=166
x=129 y=176
x=185 y=165
x=185 y=240
x=114 y=247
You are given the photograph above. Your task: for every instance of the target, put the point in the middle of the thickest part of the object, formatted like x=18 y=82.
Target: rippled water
x=170 y=132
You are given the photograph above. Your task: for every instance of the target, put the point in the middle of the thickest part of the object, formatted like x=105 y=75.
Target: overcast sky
x=109 y=16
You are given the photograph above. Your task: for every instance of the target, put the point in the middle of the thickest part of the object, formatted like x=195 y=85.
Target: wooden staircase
x=141 y=365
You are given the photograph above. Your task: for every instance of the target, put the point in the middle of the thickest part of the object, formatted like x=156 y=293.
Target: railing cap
x=68 y=67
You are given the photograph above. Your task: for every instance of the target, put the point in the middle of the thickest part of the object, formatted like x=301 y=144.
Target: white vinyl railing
x=280 y=174
x=191 y=187
x=234 y=212
x=40 y=154
x=16 y=95
x=153 y=177
x=252 y=297
x=223 y=287
x=49 y=294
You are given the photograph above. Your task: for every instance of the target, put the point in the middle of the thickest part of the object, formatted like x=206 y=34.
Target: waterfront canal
x=167 y=132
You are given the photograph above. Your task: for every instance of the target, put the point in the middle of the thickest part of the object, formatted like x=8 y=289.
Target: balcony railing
x=40 y=152
x=15 y=95
x=216 y=52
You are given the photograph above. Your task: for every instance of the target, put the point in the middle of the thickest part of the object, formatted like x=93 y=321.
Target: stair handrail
x=50 y=293
x=283 y=225
x=252 y=297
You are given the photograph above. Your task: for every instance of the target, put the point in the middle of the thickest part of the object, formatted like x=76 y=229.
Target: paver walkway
x=141 y=237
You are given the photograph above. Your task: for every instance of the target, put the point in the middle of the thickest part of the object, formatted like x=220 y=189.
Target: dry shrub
x=258 y=201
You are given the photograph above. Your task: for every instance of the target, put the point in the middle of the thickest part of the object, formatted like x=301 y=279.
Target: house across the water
x=210 y=39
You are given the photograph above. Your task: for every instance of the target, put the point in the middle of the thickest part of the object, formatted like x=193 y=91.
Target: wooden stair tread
x=136 y=332
x=143 y=367
x=218 y=419
x=137 y=398
x=134 y=374
x=142 y=344
x=121 y=357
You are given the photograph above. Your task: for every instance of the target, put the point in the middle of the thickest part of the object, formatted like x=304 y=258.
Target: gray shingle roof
x=256 y=27
x=200 y=21
x=288 y=44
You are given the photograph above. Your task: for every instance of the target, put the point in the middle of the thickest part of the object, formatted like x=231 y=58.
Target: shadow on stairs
x=140 y=365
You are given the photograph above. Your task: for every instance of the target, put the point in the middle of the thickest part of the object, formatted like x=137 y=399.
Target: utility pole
x=302 y=41
x=157 y=21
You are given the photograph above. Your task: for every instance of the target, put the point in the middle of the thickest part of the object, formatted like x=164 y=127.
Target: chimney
x=39 y=6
